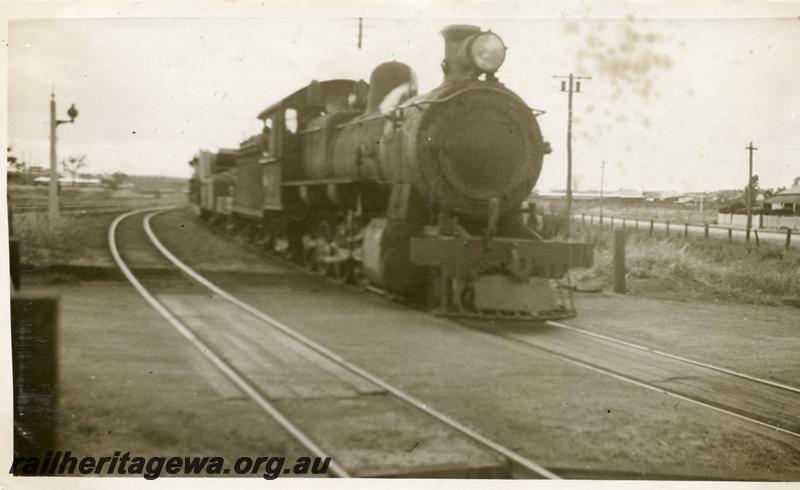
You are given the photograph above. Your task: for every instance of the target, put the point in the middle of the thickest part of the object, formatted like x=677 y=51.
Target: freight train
x=418 y=195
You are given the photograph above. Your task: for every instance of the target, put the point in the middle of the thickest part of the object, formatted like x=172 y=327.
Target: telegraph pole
x=360 y=30
x=574 y=86
x=750 y=149
x=53 y=208
x=602 y=177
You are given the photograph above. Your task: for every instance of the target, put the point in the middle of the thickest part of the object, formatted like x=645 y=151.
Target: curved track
x=518 y=461
x=222 y=365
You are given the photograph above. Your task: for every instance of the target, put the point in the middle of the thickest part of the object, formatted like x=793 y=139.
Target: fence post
x=623 y=223
x=756 y=235
x=705 y=231
x=591 y=220
x=730 y=234
x=667 y=227
x=583 y=219
x=788 y=238
x=651 y=227
x=612 y=222
x=686 y=230
x=619 y=261
x=636 y=224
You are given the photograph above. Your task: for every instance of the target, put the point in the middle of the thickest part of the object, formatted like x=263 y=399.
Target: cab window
x=290 y=120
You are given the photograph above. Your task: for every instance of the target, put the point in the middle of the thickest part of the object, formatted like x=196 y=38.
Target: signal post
x=53 y=207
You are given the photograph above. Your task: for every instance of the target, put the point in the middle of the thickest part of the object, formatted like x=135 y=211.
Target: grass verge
x=695 y=268
x=71 y=240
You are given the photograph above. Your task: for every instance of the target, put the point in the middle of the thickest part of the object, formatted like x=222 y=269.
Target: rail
x=416 y=403
x=518 y=460
x=539 y=343
x=223 y=366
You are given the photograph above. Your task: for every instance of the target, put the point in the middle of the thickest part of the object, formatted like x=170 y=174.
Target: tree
x=771 y=192
x=754 y=190
x=796 y=181
x=73 y=164
x=117 y=178
x=14 y=162
x=10 y=159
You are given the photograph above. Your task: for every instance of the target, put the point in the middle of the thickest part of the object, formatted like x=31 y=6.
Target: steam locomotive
x=418 y=195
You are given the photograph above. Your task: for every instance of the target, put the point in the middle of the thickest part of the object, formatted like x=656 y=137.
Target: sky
x=671 y=104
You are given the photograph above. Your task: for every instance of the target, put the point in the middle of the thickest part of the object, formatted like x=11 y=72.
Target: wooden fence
x=685 y=229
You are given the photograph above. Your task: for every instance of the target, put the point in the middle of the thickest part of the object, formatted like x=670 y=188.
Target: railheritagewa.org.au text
x=64 y=463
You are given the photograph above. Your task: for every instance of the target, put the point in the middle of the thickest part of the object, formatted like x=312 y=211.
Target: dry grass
x=71 y=238
x=698 y=268
x=41 y=243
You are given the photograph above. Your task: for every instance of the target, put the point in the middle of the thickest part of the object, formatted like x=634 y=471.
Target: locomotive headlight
x=487 y=52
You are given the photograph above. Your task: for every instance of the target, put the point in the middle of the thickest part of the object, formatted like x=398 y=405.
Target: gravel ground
x=128 y=383
x=760 y=341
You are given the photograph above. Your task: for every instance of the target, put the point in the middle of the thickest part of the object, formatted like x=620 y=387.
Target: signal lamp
x=72 y=113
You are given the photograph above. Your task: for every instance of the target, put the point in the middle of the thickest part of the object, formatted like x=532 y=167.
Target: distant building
x=787 y=198
x=25 y=175
x=69 y=182
x=617 y=195
x=628 y=194
x=661 y=196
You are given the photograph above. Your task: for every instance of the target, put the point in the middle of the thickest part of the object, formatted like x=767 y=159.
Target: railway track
x=756 y=400
x=73 y=210
x=766 y=403
x=154 y=290
x=89 y=204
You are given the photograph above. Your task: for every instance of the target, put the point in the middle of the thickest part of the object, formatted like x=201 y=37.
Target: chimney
x=456 y=65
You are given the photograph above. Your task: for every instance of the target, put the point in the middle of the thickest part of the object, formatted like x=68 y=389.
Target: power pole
x=602 y=177
x=360 y=30
x=574 y=86
x=750 y=149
